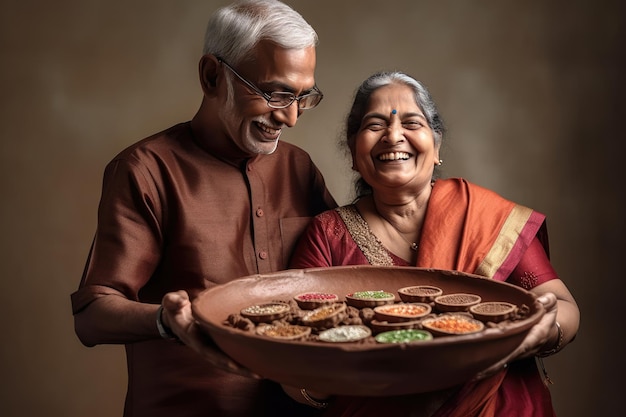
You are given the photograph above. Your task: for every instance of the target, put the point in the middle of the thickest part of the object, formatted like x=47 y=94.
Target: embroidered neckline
x=370 y=245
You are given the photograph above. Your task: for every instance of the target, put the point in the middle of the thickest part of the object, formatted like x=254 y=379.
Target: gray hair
x=361 y=99
x=233 y=31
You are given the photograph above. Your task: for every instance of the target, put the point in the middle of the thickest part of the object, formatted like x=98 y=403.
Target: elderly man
x=200 y=204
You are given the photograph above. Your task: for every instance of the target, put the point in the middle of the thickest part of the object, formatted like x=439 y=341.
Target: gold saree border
x=511 y=230
x=367 y=241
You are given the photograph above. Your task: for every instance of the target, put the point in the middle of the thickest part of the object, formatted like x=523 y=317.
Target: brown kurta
x=173 y=216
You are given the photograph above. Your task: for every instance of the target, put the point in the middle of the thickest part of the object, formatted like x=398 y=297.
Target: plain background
x=532 y=92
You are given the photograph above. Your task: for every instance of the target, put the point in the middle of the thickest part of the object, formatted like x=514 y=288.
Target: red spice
x=314 y=296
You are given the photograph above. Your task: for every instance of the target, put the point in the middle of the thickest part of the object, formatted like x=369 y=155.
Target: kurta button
x=263 y=254
x=259 y=212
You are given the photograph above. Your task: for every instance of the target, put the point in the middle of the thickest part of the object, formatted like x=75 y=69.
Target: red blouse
x=327 y=242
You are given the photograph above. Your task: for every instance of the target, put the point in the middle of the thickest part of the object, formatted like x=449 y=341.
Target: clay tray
x=362 y=369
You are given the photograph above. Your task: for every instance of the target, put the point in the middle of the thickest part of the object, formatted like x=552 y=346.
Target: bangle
x=558 y=346
x=164 y=331
x=320 y=405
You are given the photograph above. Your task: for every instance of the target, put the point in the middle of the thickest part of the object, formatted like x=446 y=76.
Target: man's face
x=251 y=124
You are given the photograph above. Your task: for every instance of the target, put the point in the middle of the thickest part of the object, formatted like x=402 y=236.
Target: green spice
x=372 y=294
x=403 y=336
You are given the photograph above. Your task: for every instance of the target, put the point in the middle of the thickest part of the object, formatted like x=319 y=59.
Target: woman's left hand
x=535 y=340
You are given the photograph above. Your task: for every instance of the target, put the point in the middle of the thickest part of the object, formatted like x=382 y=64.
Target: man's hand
x=177 y=315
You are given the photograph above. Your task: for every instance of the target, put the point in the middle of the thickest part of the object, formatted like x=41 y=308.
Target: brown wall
x=531 y=91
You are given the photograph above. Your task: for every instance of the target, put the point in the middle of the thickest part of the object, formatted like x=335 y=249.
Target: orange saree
x=466 y=228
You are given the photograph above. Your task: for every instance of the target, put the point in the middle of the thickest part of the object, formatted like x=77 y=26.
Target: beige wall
x=532 y=93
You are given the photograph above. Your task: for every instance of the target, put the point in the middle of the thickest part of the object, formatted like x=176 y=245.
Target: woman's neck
x=398 y=225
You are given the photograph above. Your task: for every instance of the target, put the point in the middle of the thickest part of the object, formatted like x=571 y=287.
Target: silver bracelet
x=559 y=344
x=312 y=401
x=164 y=331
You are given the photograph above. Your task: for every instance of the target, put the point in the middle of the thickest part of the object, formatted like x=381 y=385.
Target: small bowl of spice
x=419 y=293
x=452 y=324
x=326 y=316
x=403 y=336
x=493 y=311
x=371 y=299
x=401 y=312
x=456 y=302
x=313 y=300
x=342 y=334
x=266 y=312
x=284 y=332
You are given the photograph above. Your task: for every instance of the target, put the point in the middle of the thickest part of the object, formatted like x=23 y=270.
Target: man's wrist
x=320 y=405
x=165 y=332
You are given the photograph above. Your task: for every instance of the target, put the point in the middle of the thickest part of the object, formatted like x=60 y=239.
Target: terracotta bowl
x=284 y=332
x=314 y=299
x=345 y=334
x=369 y=298
x=398 y=312
x=404 y=336
x=325 y=317
x=453 y=325
x=360 y=368
x=265 y=312
x=456 y=302
x=419 y=293
x=494 y=311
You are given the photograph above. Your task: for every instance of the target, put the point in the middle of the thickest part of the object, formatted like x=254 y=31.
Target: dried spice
x=316 y=296
x=403 y=336
x=375 y=295
x=345 y=334
x=457 y=324
x=409 y=310
x=287 y=331
x=286 y=320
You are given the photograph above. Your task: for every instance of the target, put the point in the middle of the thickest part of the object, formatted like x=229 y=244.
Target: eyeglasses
x=281 y=99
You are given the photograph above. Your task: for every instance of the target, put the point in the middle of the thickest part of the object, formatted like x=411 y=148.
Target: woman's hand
x=177 y=315
x=539 y=336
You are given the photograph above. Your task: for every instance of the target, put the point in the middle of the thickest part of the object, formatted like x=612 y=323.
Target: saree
x=466 y=228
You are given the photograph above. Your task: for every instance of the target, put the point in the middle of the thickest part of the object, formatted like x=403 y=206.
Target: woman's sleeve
x=313 y=248
x=534 y=268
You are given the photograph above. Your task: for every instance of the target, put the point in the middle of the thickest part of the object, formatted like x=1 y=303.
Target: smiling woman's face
x=394 y=146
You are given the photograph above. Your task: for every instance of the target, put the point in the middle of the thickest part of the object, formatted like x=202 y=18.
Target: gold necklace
x=413 y=245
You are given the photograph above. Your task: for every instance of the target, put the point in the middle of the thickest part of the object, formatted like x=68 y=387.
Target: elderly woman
x=403 y=216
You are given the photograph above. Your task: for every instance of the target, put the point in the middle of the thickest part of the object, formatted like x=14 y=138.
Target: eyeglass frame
x=268 y=97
